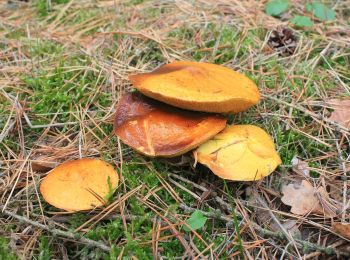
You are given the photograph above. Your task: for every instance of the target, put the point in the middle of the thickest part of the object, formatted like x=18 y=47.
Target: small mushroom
x=240 y=152
x=79 y=184
x=198 y=86
x=157 y=129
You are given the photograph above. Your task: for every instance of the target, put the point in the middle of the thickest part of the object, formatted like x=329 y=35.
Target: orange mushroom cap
x=79 y=184
x=156 y=129
x=240 y=152
x=198 y=86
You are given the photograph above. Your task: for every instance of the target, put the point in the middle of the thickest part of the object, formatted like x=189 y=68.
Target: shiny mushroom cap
x=240 y=152
x=79 y=184
x=198 y=86
x=157 y=129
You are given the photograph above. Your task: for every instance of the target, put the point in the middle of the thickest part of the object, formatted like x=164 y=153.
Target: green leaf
x=321 y=11
x=196 y=221
x=309 y=7
x=299 y=20
x=276 y=7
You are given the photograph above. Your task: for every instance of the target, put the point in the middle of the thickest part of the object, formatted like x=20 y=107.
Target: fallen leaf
x=42 y=164
x=300 y=166
x=91 y=44
x=290 y=225
x=262 y=216
x=51 y=152
x=341 y=113
x=342 y=229
x=336 y=189
x=305 y=198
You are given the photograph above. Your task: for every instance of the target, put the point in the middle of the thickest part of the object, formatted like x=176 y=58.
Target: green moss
x=45 y=249
x=292 y=143
x=44 y=8
x=39 y=48
x=5 y=252
x=16 y=34
x=222 y=44
x=63 y=90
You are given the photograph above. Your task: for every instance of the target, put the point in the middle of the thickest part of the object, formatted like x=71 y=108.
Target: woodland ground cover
x=63 y=66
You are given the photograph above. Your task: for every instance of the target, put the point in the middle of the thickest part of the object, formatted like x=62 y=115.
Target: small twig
x=264 y=232
x=172 y=228
x=345 y=183
x=57 y=232
x=6 y=130
x=276 y=220
x=219 y=215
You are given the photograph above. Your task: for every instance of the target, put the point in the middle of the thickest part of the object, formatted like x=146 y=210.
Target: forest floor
x=63 y=66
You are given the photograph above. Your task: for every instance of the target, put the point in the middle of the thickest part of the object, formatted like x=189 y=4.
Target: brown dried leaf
x=262 y=216
x=304 y=199
x=91 y=44
x=290 y=225
x=41 y=164
x=342 y=229
x=50 y=155
x=300 y=166
x=341 y=113
x=336 y=189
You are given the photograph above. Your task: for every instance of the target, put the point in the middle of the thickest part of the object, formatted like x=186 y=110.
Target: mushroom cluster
x=175 y=114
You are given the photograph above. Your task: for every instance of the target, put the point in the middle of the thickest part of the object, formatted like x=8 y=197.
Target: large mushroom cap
x=79 y=184
x=198 y=86
x=240 y=152
x=157 y=129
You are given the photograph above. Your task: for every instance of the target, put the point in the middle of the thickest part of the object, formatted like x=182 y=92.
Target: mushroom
x=198 y=86
x=79 y=184
x=157 y=129
x=240 y=152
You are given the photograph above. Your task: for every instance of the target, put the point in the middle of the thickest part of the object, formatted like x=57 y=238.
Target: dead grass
x=86 y=49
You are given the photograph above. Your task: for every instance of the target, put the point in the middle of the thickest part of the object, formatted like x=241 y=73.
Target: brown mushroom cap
x=157 y=129
x=198 y=86
x=78 y=185
x=240 y=152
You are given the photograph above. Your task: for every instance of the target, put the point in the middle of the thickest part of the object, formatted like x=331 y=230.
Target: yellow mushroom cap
x=198 y=86
x=79 y=184
x=240 y=152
